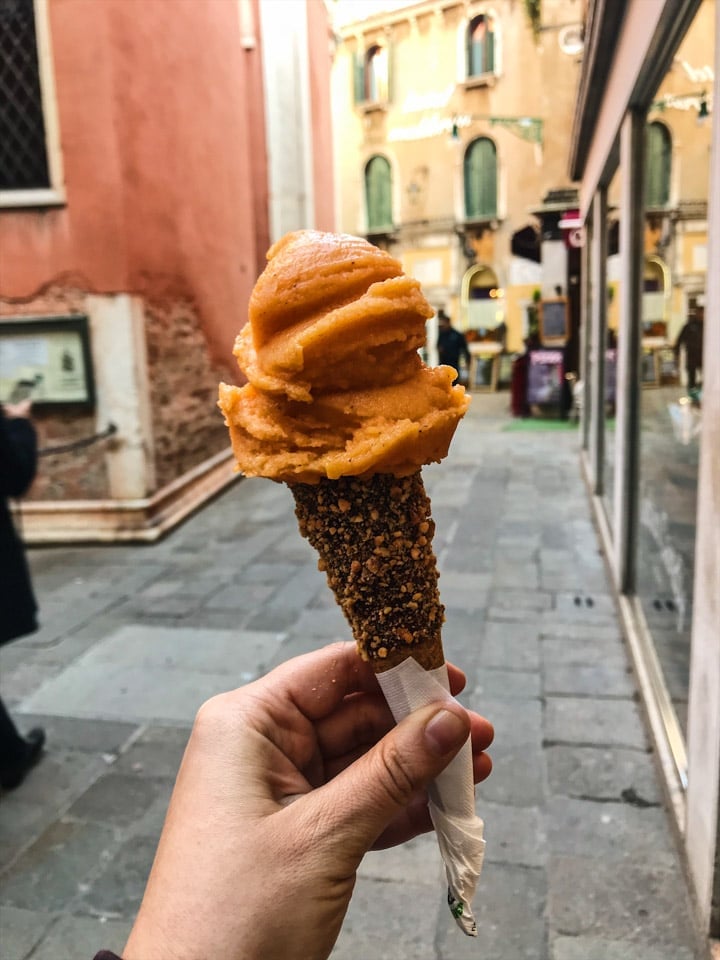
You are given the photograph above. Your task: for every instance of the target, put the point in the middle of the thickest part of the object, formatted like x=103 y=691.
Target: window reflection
x=612 y=294
x=676 y=184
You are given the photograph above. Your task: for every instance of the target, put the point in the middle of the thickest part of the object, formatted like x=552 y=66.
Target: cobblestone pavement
x=580 y=862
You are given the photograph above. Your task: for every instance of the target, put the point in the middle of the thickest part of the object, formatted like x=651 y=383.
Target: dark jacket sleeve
x=18 y=455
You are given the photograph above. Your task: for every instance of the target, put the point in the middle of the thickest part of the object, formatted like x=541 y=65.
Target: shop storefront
x=646 y=151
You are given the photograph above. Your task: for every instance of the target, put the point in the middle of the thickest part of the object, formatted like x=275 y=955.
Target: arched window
x=480 y=172
x=480 y=45
x=376 y=74
x=658 y=146
x=378 y=194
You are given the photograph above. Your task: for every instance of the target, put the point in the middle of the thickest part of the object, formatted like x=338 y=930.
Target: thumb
x=357 y=805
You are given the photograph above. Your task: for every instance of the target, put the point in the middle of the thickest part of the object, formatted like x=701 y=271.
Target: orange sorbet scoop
x=336 y=386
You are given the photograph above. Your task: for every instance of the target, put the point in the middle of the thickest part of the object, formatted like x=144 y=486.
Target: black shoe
x=13 y=775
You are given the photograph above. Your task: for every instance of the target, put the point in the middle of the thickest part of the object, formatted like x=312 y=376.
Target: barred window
x=23 y=149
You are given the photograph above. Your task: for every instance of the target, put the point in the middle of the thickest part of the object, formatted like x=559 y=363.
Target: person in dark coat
x=691 y=337
x=18 y=609
x=452 y=345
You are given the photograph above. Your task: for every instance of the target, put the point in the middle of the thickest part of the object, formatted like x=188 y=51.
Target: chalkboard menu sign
x=553 y=320
x=545 y=377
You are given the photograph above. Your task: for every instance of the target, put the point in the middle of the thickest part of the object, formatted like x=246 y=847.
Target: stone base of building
x=46 y=522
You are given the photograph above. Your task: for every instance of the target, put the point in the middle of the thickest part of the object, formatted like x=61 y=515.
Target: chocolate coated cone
x=374 y=539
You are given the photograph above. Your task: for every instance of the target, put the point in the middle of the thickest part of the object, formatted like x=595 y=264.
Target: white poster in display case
x=47 y=359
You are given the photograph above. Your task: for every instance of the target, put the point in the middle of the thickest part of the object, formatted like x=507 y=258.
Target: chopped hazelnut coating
x=374 y=540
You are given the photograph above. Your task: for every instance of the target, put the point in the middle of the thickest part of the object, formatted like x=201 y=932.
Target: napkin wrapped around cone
x=340 y=406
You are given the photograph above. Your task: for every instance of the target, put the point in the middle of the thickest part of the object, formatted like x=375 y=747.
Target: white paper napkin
x=459 y=830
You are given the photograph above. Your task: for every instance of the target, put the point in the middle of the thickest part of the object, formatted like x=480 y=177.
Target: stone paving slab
x=559 y=679
x=51 y=873
x=376 y=925
x=626 y=834
x=128 y=674
x=601 y=948
x=587 y=720
x=77 y=938
x=622 y=902
x=21 y=930
x=511 y=918
x=603 y=773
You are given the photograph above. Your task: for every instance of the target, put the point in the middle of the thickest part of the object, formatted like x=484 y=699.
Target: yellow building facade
x=452 y=128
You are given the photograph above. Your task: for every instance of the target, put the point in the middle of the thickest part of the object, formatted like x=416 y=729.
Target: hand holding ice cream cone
x=340 y=406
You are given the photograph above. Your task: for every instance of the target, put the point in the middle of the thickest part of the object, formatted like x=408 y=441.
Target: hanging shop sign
x=48 y=360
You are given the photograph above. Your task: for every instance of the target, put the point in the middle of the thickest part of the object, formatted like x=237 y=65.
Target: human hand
x=20 y=409
x=285 y=784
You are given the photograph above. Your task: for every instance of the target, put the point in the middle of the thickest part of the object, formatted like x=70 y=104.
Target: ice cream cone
x=374 y=540
x=340 y=406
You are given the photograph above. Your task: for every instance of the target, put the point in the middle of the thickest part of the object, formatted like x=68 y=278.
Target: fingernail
x=445 y=732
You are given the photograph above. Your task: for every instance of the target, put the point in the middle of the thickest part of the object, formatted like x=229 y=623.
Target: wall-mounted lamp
x=686 y=101
x=703 y=112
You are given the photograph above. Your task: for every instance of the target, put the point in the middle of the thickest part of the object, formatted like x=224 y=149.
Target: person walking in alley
x=18 y=463
x=691 y=339
x=452 y=345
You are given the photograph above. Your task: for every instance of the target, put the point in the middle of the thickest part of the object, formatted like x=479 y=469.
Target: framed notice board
x=47 y=359
x=553 y=322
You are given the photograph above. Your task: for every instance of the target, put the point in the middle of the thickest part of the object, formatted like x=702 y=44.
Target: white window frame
x=54 y=195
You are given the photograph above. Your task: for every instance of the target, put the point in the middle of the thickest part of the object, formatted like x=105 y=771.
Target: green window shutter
x=657 y=165
x=476 y=59
x=358 y=77
x=378 y=194
x=490 y=52
x=480 y=175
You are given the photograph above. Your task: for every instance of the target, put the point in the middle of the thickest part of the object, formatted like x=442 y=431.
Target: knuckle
x=396 y=779
x=213 y=716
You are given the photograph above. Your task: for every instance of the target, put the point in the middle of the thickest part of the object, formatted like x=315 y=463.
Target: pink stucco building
x=135 y=201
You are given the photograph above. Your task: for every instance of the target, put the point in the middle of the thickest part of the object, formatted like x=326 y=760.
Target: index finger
x=317 y=682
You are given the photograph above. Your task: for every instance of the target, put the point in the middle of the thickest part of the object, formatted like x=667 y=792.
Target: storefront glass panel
x=611 y=339
x=674 y=279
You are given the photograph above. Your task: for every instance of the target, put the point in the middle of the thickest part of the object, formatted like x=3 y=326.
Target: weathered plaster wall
x=163 y=161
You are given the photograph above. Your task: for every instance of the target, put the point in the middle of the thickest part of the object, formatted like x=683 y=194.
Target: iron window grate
x=23 y=151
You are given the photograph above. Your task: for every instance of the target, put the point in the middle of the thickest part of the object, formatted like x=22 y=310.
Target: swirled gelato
x=336 y=386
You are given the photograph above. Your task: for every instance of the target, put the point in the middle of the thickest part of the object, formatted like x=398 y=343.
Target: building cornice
x=388 y=18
